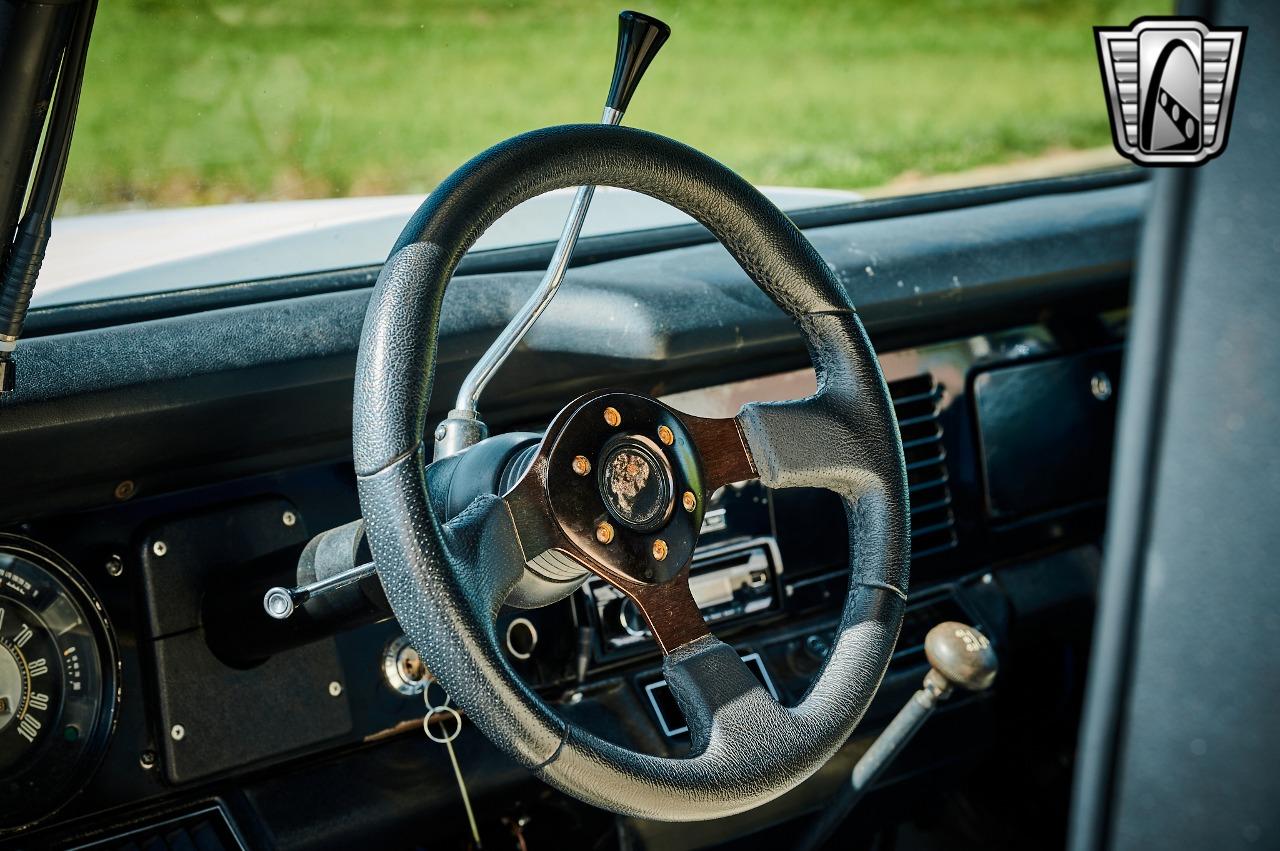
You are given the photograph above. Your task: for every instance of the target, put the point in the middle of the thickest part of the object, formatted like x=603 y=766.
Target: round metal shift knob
x=962 y=655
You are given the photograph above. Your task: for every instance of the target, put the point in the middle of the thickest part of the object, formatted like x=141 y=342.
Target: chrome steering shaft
x=639 y=39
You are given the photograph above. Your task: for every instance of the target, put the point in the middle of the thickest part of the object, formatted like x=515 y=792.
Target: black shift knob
x=962 y=655
x=640 y=37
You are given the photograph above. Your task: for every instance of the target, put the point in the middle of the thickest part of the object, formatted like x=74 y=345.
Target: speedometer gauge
x=58 y=681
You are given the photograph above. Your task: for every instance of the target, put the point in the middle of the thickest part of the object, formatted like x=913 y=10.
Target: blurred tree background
x=207 y=102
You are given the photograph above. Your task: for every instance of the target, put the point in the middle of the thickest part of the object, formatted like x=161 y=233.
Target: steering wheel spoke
x=481 y=537
x=707 y=677
x=722 y=450
x=798 y=443
x=668 y=607
x=536 y=529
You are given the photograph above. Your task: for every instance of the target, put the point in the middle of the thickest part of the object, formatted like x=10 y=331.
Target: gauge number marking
x=29 y=727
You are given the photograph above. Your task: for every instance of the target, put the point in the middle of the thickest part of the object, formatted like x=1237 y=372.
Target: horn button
x=642 y=462
x=635 y=482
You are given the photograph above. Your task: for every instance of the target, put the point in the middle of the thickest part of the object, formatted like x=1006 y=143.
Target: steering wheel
x=645 y=471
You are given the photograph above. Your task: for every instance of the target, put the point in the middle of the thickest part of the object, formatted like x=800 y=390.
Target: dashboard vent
x=208 y=829
x=916 y=401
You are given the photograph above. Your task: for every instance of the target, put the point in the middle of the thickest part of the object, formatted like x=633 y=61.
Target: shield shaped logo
x=1169 y=84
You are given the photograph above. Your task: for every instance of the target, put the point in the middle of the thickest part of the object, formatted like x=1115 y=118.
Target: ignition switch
x=403 y=669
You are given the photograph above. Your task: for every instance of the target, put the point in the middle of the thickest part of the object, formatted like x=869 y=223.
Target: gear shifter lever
x=959 y=655
x=640 y=37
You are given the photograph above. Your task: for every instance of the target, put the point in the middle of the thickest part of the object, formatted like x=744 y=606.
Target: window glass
x=204 y=124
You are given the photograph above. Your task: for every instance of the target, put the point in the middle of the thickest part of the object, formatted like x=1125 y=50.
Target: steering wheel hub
x=642 y=456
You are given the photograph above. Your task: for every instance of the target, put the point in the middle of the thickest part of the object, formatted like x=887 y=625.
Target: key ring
x=426 y=697
x=447 y=738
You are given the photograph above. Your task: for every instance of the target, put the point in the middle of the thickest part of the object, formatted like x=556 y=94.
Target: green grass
x=202 y=102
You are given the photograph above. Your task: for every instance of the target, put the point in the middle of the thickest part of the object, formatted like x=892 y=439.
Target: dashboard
x=144 y=693
x=181 y=667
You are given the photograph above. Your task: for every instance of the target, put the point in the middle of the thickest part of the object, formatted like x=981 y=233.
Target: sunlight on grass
x=189 y=103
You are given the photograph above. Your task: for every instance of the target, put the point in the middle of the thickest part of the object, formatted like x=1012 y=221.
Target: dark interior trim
x=1152 y=342
x=1178 y=742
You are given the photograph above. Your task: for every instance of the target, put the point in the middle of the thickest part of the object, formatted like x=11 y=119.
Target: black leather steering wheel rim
x=446 y=582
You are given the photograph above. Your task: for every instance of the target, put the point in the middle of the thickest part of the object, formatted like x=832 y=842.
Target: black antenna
x=27 y=251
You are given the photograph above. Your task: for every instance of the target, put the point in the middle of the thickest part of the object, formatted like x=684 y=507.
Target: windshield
x=220 y=141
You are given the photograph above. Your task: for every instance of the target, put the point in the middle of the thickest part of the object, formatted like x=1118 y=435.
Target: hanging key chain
x=446 y=739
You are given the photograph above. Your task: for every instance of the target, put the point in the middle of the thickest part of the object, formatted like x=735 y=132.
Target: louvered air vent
x=208 y=829
x=916 y=401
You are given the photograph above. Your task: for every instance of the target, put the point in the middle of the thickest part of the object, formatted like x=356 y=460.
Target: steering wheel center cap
x=635 y=482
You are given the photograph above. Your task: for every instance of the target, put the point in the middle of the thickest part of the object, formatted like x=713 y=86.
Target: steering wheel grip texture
x=446 y=582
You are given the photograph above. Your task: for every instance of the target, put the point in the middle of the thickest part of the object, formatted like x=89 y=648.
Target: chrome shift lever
x=959 y=656
x=640 y=37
